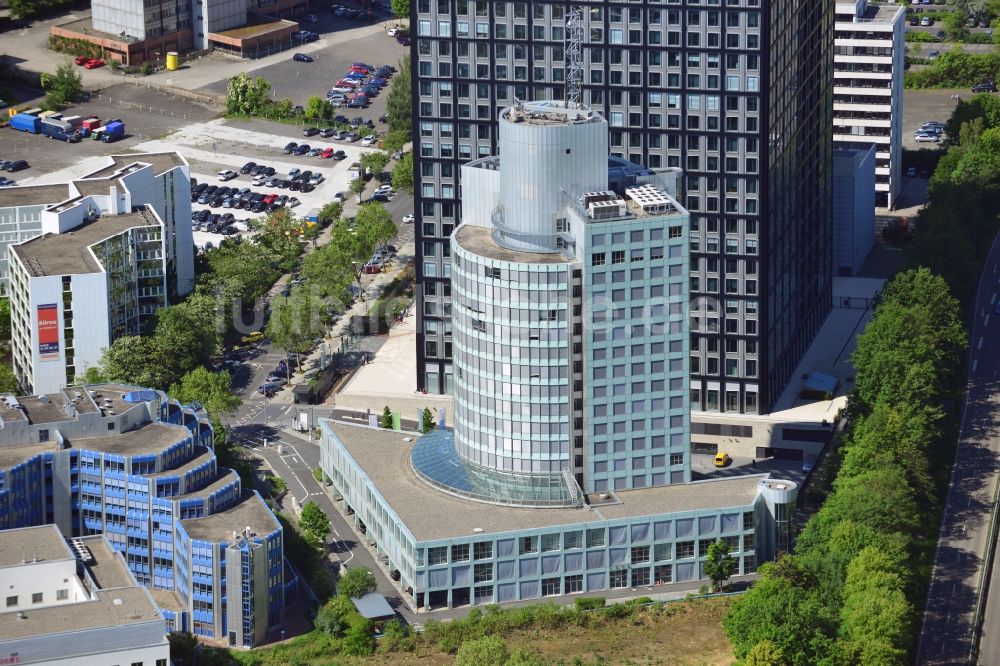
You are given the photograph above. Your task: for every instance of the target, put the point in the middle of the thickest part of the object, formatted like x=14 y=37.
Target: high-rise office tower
x=737 y=93
x=869 y=57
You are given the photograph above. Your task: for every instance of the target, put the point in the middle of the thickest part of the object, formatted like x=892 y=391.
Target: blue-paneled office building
x=567 y=469
x=140 y=468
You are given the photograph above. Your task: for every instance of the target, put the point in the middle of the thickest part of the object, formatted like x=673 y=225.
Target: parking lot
x=129 y=103
x=333 y=56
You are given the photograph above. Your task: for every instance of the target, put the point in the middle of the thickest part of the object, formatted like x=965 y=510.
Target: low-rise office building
x=568 y=469
x=137 y=31
x=139 y=469
x=74 y=604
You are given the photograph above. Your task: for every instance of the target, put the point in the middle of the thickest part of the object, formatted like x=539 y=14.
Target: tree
x=8 y=381
x=212 y=389
x=134 y=359
x=399 y=102
x=394 y=140
x=764 y=653
x=356 y=583
x=315 y=525
x=297 y=320
x=485 y=651
x=875 y=617
x=386 y=421
x=4 y=319
x=318 y=108
x=719 y=565
x=246 y=96
x=426 y=421
x=64 y=87
x=401 y=8
x=402 y=174
x=329 y=621
x=374 y=161
x=186 y=334
x=91 y=375
x=357 y=185
x=330 y=212
x=373 y=224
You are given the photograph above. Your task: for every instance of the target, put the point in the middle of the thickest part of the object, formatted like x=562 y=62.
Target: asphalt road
x=946 y=635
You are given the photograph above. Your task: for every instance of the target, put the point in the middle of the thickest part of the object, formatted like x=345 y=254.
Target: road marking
x=975 y=362
x=980 y=345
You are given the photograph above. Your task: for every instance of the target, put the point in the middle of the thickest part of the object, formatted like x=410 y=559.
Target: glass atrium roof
x=436 y=461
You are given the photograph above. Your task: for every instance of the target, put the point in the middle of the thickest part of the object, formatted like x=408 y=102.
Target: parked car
x=310 y=131
x=248 y=167
x=81 y=60
x=316 y=178
x=289 y=147
x=93 y=63
x=259 y=179
x=369 y=140
x=227 y=174
x=294 y=173
x=926 y=137
x=326 y=154
x=985 y=86
x=292 y=202
x=384 y=189
x=340 y=197
x=371 y=269
x=302 y=149
x=339 y=155
x=926 y=21
x=326 y=132
x=352 y=137
x=301 y=57
x=357 y=102
x=911 y=172
x=315 y=152
x=268 y=388
x=252 y=338
x=408 y=219
x=722 y=459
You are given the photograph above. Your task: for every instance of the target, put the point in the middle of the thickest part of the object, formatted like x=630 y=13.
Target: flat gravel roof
x=430 y=514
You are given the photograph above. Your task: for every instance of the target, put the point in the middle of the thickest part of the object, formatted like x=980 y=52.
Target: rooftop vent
x=603 y=210
x=651 y=199
x=477 y=530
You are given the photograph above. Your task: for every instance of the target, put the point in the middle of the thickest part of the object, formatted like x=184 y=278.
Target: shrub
x=589 y=603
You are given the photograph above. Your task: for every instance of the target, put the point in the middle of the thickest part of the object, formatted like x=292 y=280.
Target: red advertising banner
x=48 y=332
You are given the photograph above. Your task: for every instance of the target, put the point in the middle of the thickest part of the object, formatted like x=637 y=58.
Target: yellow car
x=256 y=336
x=722 y=459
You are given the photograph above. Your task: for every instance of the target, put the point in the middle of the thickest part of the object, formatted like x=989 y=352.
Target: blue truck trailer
x=26 y=123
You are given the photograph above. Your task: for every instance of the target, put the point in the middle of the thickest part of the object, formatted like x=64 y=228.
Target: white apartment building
x=869 y=54
x=74 y=603
x=88 y=280
x=125 y=182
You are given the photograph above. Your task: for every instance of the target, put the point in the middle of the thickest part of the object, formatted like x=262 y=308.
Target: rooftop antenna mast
x=574 y=57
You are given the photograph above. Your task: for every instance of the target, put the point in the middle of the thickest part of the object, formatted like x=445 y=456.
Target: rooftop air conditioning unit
x=602 y=210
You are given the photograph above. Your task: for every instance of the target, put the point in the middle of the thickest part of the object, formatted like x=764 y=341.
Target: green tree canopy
x=374 y=226
x=719 y=565
x=212 y=389
x=402 y=174
x=399 y=101
x=297 y=320
x=247 y=96
x=764 y=653
x=401 y=8
x=318 y=108
x=315 y=525
x=64 y=87
x=356 y=583
x=135 y=359
x=4 y=319
x=375 y=161
x=186 y=334
x=8 y=381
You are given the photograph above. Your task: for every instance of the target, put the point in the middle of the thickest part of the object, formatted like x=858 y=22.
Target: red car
x=93 y=63
x=269 y=199
x=371 y=269
x=326 y=154
x=81 y=60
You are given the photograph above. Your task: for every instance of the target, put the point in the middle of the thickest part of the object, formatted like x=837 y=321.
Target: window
x=662 y=551
x=573 y=540
x=483 y=573
x=595 y=539
x=438 y=555
x=618 y=257
x=11 y=601
x=36 y=597
x=529 y=545
x=550 y=587
x=640 y=577
x=573 y=584
x=597 y=259
x=663 y=574
x=685 y=549
x=460 y=552
x=550 y=542
x=62 y=595
x=482 y=550
x=493 y=273
x=640 y=554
